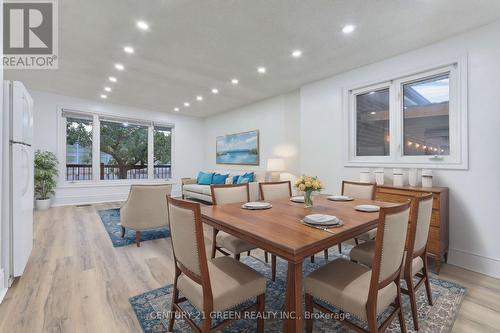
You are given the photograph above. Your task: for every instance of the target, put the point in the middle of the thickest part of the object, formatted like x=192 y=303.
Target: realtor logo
x=30 y=34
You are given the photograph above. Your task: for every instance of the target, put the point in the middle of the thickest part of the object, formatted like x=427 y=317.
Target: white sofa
x=190 y=189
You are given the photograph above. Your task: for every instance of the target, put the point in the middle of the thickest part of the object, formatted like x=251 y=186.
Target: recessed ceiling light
x=235 y=81
x=128 y=49
x=119 y=67
x=199 y=98
x=103 y=96
x=112 y=79
x=142 y=25
x=373 y=112
x=176 y=109
x=296 y=53
x=108 y=89
x=262 y=70
x=347 y=29
x=186 y=104
x=215 y=91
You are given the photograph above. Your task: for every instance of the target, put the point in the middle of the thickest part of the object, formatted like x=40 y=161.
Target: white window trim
x=96 y=181
x=458 y=158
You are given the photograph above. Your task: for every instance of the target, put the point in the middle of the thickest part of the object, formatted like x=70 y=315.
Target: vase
x=308 y=201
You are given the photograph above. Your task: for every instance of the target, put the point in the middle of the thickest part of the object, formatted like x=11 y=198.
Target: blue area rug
x=111 y=220
x=152 y=308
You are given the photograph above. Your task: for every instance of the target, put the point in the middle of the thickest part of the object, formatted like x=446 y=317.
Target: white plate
x=339 y=198
x=367 y=208
x=321 y=219
x=257 y=205
x=299 y=198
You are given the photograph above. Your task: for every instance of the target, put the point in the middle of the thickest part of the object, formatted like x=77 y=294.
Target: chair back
x=390 y=244
x=422 y=213
x=229 y=193
x=275 y=190
x=145 y=207
x=359 y=190
x=187 y=239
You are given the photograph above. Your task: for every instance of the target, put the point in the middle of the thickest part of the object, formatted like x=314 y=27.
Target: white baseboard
x=3 y=288
x=88 y=199
x=475 y=262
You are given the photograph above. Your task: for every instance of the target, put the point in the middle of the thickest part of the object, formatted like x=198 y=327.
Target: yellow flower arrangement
x=308 y=183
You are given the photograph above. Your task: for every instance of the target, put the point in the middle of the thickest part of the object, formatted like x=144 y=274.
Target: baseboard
x=3 y=289
x=88 y=199
x=475 y=262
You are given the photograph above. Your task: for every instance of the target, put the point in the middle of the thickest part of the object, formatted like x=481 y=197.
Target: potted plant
x=308 y=185
x=45 y=177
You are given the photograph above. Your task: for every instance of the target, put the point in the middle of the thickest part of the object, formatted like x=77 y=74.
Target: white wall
x=187 y=150
x=474 y=193
x=3 y=280
x=277 y=120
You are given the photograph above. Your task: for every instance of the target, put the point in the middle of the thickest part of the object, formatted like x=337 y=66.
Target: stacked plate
x=321 y=220
x=255 y=205
x=299 y=198
x=367 y=208
x=339 y=198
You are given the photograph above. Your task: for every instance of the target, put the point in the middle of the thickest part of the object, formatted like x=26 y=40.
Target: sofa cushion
x=197 y=188
x=205 y=178
x=219 y=179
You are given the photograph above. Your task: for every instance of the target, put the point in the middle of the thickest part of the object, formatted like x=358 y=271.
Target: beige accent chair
x=210 y=285
x=275 y=191
x=225 y=194
x=414 y=265
x=145 y=209
x=359 y=290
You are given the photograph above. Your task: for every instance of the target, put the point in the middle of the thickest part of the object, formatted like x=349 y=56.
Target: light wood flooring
x=76 y=281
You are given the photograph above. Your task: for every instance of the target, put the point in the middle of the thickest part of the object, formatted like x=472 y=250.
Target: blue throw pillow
x=235 y=179
x=204 y=178
x=219 y=179
x=242 y=180
x=250 y=176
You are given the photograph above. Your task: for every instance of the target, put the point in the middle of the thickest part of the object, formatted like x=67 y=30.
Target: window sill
x=113 y=183
x=406 y=165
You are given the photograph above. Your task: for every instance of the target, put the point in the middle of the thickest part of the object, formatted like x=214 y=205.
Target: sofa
x=191 y=189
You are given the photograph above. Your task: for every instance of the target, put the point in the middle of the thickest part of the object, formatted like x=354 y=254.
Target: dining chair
x=359 y=190
x=212 y=286
x=358 y=290
x=225 y=194
x=414 y=264
x=274 y=191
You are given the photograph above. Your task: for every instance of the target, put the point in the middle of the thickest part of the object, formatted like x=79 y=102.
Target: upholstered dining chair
x=274 y=191
x=359 y=190
x=358 y=290
x=212 y=285
x=144 y=209
x=414 y=264
x=225 y=194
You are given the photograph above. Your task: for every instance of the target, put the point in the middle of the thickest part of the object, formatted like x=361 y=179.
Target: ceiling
x=194 y=46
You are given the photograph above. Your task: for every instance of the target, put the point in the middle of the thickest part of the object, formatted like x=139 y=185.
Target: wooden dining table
x=279 y=230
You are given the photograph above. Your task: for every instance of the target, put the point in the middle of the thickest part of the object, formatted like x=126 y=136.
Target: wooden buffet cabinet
x=438 y=242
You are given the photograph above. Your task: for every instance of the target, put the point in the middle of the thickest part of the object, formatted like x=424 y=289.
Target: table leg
x=293 y=299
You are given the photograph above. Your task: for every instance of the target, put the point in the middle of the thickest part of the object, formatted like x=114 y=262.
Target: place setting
x=256 y=205
x=322 y=222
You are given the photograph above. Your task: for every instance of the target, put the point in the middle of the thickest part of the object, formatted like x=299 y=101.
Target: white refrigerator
x=17 y=205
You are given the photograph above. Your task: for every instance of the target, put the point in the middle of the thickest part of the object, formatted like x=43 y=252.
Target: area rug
x=152 y=308
x=111 y=220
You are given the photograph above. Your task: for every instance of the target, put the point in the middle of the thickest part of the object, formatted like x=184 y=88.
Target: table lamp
x=275 y=165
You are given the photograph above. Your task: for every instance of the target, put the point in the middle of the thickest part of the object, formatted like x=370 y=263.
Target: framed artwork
x=239 y=148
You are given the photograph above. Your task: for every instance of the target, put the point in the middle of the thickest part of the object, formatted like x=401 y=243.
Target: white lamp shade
x=275 y=164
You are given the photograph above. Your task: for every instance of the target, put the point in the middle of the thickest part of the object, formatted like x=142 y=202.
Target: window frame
x=458 y=157
x=96 y=148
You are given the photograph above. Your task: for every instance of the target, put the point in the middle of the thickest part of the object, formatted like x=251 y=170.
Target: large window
x=416 y=120
x=105 y=148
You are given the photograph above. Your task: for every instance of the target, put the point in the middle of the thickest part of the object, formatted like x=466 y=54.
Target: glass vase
x=308 y=201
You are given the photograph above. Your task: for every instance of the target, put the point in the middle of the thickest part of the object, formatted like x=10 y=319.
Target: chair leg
x=175 y=299
x=372 y=319
x=237 y=256
x=325 y=252
x=427 y=282
x=413 y=302
x=340 y=247
x=261 y=302
x=266 y=257
x=356 y=241
x=312 y=258
x=206 y=325
x=138 y=238
x=309 y=310
x=273 y=267
x=123 y=231
x=214 y=242
x=402 y=324
x=248 y=253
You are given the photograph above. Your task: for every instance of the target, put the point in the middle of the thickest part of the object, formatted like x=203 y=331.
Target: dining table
x=279 y=230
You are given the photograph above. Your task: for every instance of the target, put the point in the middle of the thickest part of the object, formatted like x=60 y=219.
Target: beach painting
x=239 y=148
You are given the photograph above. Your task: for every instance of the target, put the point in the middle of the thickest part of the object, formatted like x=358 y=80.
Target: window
x=78 y=148
x=104 y=148
x=415 y=121
x=162 y=152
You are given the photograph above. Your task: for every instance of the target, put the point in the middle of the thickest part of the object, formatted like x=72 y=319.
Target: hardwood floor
x=76 y=281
